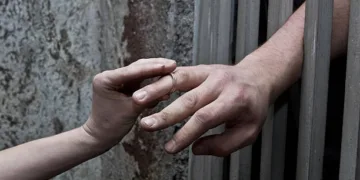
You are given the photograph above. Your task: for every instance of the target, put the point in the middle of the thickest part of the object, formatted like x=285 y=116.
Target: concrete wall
x=51 y=49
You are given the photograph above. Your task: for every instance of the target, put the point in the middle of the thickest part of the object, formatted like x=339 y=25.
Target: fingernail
x=170 y=146
x=141 y=94
x=149 y=122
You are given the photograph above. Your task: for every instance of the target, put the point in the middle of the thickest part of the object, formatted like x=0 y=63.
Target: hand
x=238 y=96
x=113 y=110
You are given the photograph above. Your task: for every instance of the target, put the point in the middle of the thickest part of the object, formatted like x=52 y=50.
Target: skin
x=113 y=115
x=238 y=96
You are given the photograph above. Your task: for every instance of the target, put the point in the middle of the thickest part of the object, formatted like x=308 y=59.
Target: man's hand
x=113 y=110
x=238 y=96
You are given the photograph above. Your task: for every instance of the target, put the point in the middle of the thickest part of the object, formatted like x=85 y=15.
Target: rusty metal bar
x=274 y=132
x=314 y=89
x=349 y=163
x=248 y=13
x=212 y=45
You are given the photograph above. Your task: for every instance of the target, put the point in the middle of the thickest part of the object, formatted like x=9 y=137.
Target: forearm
x=48 y=157
x=281 y=57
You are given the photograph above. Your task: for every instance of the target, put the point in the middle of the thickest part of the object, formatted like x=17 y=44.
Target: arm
x=106 y=126
x=282 y=54
x=238 y=96
x=45 y=158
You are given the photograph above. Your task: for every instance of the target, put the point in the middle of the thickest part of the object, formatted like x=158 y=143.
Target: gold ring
x=173 y=89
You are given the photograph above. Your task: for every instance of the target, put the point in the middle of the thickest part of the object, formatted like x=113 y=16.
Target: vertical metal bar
x=246 y=41
x=266 y=146
x=314 y=89
x=247 y=27
x=349 y=164
x=212 y=44
x=274 y=132
x=281 y=110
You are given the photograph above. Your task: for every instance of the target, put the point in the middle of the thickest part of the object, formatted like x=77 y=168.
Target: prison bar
x=212 y=45
x=349 y=162
x=274 y=131
x=247 y=32
x=317 y=45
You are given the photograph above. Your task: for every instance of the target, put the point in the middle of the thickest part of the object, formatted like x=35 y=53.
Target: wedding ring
x=173 y=89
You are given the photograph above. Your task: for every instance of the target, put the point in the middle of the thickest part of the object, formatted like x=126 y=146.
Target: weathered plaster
x=51 y=49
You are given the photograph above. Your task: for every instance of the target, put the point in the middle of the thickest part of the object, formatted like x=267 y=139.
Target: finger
x=223 y=109
x=153 y=60
x=185 y=78
x=181 y=108
x=225 y=143
x=157 y=90
x=136 y=72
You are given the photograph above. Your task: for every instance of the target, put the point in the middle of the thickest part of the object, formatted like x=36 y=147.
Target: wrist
x=278 y=69
x=97 y=145
x=261 y=75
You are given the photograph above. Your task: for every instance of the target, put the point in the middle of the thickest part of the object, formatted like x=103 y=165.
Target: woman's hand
x=113 y=110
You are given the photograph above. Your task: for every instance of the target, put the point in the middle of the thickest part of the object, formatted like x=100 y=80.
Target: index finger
x=138 y=71
x=182 y=79
x=204 y=119
x=181 y=108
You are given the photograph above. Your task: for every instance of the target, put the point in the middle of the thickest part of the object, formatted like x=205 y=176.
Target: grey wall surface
x=51 y=49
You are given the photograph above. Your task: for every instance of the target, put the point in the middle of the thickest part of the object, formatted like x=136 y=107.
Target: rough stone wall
x=51 y=49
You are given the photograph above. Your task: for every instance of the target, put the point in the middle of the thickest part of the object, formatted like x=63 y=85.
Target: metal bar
x=247 y=27
x=266 y=146
x=212 y=44
x=314 y=89
x=280 y=109
x=246 y=41
x=274 y=132
x=349 y=164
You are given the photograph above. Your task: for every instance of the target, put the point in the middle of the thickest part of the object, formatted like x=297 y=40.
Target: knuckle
x=164 y=116
x=181 y=75
x=100 y=79
x=243 y=97
x=222 y=76
x=202 y=118
x=189 y=101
